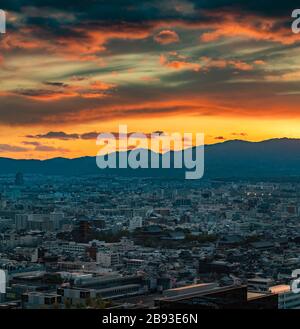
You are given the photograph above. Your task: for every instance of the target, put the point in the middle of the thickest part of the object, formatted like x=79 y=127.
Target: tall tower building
x=19 y=179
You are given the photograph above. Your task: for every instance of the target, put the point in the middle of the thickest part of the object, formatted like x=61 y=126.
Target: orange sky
x=65 y=75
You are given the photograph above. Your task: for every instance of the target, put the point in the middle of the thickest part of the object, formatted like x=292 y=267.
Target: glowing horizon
x=230 y=72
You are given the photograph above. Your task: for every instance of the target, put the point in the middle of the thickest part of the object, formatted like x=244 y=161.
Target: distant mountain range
x=276 y=158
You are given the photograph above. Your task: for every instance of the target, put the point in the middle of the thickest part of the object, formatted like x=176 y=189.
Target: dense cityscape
x=149 y=161
x=115 y=242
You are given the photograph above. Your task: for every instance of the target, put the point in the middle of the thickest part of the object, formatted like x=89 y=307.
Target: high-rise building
x=19 y=179
x=135 y=222
x=107 y=258
x=21 y=222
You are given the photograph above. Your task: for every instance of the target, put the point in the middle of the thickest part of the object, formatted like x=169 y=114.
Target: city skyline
x=149 y=155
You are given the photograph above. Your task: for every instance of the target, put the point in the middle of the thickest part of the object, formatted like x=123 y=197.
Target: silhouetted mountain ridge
x=234 y=158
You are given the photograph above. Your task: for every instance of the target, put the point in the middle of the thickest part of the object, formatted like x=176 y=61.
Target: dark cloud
x=85 y=136
x=38 y=93
x=46 y=148
x=239 y=134
x=166 y=37
x=161 y=99
x=55 y=84
x=262 y=7
x=58 y=23
x=91 y=135
x=148 y=9
x=55 y=135
x=31 y=143
x=12 y=148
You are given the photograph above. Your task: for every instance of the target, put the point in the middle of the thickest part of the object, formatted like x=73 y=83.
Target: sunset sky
x=70 y=70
